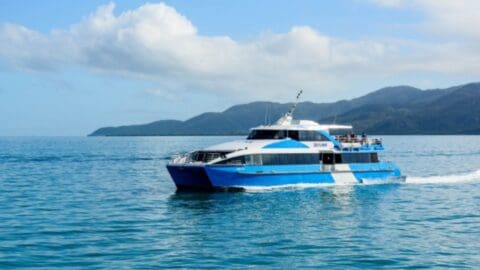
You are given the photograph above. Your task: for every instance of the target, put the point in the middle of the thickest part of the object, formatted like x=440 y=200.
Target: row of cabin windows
x=331 y=158
x=206 y=156
x=273 y=159
x=293 y=159
x=299 y=135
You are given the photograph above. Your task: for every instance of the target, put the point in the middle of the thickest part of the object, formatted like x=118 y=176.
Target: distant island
x=390 y=110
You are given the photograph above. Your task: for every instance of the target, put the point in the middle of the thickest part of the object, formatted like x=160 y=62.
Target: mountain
x=390 y=110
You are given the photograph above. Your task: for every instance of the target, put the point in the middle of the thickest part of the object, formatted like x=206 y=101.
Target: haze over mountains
x=390 y=110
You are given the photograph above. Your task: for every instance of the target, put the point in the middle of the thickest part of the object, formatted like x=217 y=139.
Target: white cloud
x=459 y=18
x=156 y=43
x=166 y=95
x=389 y=3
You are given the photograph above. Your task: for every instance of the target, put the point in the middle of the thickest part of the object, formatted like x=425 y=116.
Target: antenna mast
x=294 y=106
x=287 y=118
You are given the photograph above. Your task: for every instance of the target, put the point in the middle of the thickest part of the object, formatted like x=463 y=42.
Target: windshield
x=259 y=134
x=207 y=156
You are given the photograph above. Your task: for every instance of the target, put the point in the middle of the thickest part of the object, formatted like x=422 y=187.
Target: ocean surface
x=78 y=202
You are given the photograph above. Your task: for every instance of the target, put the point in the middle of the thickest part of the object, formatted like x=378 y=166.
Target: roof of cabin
x=300 y=125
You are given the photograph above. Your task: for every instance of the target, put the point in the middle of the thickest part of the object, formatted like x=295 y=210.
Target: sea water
x=79 y=202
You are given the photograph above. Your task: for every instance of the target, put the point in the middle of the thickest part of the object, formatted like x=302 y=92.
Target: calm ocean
x=79 y=202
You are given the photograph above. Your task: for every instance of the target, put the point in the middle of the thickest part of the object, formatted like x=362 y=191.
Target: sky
x=69 y=67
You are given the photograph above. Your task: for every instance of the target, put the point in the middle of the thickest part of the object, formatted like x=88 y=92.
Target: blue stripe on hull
x=228 y=176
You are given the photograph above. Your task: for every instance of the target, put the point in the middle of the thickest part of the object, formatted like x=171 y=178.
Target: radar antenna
x=287 y=118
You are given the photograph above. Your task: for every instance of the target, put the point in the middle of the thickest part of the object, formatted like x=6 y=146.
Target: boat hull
x=190 y=177
x=212 y=177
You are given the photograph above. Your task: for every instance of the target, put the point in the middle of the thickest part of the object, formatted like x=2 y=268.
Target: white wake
x=452 y=178
x=287 y=187
x=443 y=179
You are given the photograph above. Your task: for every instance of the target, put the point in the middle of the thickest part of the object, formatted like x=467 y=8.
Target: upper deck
x=352 y=142
x=290 y=124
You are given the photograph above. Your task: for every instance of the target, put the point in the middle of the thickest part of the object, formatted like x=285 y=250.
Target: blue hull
x=210 y=177
x=189 y=177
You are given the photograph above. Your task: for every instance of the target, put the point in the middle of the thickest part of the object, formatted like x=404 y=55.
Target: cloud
x=166 y=95
x=452 y=18
x=156 y=43
x=446 y=18
x=389 y=3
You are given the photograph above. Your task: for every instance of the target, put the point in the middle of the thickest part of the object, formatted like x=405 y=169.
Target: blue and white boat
x=289 y=152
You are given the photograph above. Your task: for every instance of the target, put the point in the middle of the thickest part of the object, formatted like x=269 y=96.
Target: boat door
x=328 y=161
x=341 y=172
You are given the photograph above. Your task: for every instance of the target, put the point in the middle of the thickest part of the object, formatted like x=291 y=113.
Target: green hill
x=390 y=110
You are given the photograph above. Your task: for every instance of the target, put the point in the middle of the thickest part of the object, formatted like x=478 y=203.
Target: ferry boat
x=289 y=152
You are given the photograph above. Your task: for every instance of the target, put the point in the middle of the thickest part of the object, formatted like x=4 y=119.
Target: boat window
x=211 y=156
x=359 y=157
x=327 y=158
x=331 y=158
x=293 y=134
x=259 y=134
x=253 y=160
x=289 y=159
x=198 y=156
x=233 y=161
x=273 y=159
x=207 y=156
x=338 y=158
x=299 y=135
x=311 y=135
